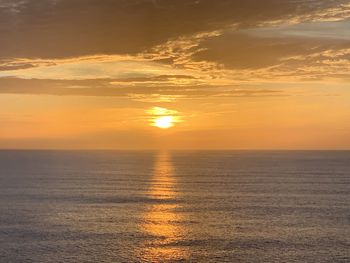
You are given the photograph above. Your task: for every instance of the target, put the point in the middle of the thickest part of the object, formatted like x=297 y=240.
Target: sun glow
x=164 y=122
x=163 y=118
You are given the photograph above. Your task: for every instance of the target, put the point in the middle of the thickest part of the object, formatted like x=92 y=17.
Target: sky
x=175 y=74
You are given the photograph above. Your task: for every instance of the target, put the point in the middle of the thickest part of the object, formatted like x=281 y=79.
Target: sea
x=174 y=206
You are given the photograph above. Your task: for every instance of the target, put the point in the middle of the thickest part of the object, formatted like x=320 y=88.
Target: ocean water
x=178 y=206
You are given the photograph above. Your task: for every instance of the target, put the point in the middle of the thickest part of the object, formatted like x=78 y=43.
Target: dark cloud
x=66 y=28
x=237 y=50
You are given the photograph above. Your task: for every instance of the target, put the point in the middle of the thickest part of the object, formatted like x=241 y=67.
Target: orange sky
x=187 y=74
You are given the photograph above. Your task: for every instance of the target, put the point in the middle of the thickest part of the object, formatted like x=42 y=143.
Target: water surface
x=204 y=206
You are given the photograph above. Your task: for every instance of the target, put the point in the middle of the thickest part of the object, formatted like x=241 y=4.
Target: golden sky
x=184 y=74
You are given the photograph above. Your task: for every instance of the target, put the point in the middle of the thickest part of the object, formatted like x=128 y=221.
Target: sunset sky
x=177 y=74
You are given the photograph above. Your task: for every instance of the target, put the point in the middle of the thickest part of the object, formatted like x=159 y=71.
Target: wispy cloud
x=144 y=93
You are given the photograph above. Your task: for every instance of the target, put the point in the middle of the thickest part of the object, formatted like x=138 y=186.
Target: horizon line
x=174 y=149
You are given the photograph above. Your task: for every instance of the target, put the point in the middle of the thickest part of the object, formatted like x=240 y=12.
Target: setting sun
x=164 y=122
x=163 y=118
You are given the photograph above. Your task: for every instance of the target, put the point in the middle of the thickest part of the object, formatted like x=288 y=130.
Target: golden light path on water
x=161 y=221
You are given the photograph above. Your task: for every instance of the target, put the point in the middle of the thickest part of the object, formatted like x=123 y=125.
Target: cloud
x=262 y=47
x=65 y=28
x=335 y=30
x=104 y=67
x=144 y=42
x=105 y=87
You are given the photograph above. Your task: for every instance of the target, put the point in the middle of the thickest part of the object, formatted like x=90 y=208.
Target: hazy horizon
x=177 y=149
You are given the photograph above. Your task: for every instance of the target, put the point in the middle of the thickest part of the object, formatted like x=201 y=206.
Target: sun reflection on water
x=162 y=222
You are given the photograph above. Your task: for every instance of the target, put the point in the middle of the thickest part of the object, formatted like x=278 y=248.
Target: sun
x=163 y=118
x=164 y=122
